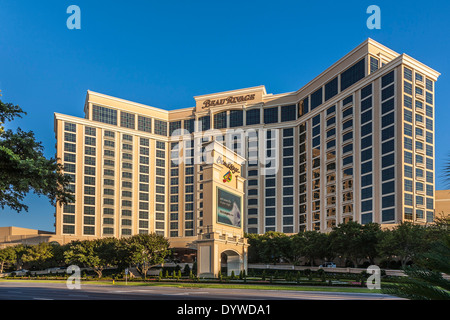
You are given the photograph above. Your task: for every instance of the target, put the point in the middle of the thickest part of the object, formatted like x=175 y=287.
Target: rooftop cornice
x=101 y=95
x=430 y=72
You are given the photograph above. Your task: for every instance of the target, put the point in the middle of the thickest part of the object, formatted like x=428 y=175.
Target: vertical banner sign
x=228 y=208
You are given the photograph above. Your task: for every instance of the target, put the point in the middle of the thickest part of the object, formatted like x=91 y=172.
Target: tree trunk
x=145 y=270
x=99 y=272
x=404 y=260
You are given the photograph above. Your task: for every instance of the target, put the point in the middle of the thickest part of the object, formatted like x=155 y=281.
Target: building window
x=236 y=118
x=388 y=215
x=174 y=126
x=271 y=115
x=220 y=120
x=373 y=64
x=303 y=107
x=189 y=125
x=353 y=74
x=204 y=123
x=407 y=74
x=387 y=79
x=127 y=120
x=288 y=113
x=161 y=127
x=316 y=98
x=144 y=124
x=429 y=85
x=331 y=89
x=253 y=116
x=104 y=115
x=366 y=91
x=72 y=127
x=388 y=92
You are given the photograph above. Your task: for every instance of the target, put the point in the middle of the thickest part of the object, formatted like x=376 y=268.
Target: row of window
x=418 y=145
x=129 y=120
x=235 y=117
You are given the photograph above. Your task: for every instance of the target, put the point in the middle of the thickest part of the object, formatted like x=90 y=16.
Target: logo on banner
x=227 y=177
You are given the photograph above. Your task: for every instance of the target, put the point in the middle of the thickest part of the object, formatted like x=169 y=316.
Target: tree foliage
x=351 y=241
x=270 y=247
x=346 y=240
x=404 y=242
x=146 y=250
x=96 y=254
x=39 y=255
x=7 y=256
x=425 y=279
x=141 y=251
x=315 y=246
x=24 y=168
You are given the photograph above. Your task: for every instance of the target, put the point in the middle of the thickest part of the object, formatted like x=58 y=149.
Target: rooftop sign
x=229 y=100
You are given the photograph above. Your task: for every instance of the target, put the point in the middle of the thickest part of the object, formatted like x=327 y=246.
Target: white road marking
x=131 y=291
x=142 y=290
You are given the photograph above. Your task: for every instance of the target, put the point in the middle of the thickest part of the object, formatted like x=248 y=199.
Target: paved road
x=58 y=291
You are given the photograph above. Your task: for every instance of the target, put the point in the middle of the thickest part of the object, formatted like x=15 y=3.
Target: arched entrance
x=230 y=261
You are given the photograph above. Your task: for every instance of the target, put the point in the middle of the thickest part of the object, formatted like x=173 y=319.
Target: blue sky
x=163 y=53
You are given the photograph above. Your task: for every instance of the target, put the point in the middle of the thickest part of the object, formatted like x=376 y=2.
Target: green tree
x=95 y=254
x=39 y=255
x=404 y=242
x=186 y=270
x=7 y=256
x=369 y=238
x=424 y=280
x=316 y=246
x=346 y=240
x=147 y=250
x=273 y=247
x=58 y=258
x=20 y=252
x=24 y=168
x=255 y=247
x=298 y=242
x=439 y=229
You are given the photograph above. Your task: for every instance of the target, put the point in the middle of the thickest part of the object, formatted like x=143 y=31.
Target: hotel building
x=356 y=143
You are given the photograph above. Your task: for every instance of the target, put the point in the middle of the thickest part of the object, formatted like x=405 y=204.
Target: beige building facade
x=442 y=203
x=356 y=143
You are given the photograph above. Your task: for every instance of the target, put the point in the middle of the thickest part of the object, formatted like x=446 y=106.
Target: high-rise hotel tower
x=354 y=144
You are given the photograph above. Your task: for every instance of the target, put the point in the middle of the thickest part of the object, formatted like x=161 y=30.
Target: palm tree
x=424 y=281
